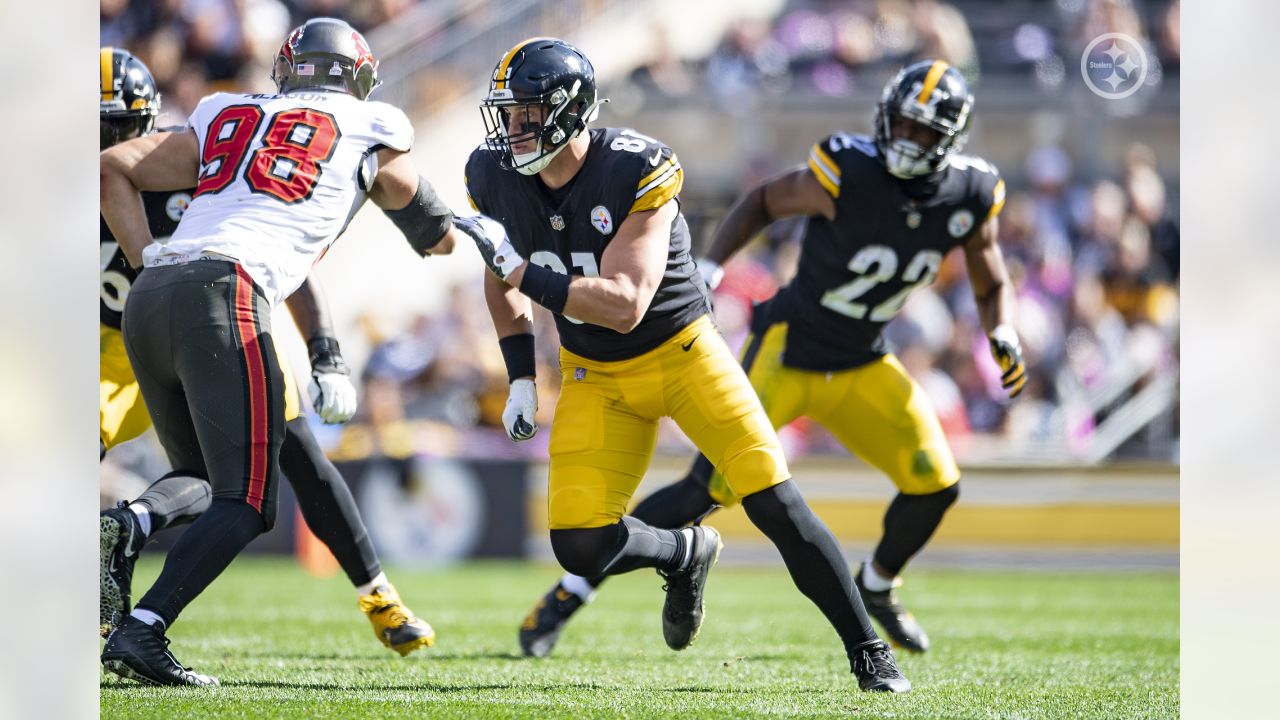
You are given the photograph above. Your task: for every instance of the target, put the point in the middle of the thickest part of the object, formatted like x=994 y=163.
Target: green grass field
x=1006 y=645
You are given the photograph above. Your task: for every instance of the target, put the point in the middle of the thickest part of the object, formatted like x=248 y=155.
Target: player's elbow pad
x=425 y=220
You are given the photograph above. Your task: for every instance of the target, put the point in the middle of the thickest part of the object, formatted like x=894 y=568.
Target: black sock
x=175 y=499
x=326 y=503
x=615 y=549
x=813 y=558
x=201 y=554
x=908 y=524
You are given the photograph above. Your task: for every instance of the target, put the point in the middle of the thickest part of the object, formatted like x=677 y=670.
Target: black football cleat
x=898 y=624
x=683 y=610
x=138 y=651
x=876 y=669
x=119 y=540
x=541 y=628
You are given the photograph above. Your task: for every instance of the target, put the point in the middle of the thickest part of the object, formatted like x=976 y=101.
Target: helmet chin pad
x=531 y=163
x=905 y=159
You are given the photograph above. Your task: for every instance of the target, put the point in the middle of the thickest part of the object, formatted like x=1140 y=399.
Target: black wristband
x=546 y=287
x=325 y=357
x=517 y=353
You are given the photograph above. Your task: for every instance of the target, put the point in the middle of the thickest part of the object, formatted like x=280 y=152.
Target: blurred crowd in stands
x=840 y=47
x=1094 y=259
x=196 y=47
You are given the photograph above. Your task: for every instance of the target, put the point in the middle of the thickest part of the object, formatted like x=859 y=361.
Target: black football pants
x=199 y=338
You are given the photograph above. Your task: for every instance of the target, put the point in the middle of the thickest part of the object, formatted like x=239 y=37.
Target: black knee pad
x=585 y=551
x=176 y=498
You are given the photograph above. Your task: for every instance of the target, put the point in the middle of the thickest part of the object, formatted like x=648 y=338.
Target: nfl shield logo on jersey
x=557 y=222
x=601 y=219
x=579 y=374
x=960 y=224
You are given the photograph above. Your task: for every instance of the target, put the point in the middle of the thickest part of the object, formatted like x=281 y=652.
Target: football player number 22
x=583 y=260
x=876 y=264
x=288 y=164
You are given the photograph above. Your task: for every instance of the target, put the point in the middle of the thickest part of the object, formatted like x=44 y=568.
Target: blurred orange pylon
x=313 y=555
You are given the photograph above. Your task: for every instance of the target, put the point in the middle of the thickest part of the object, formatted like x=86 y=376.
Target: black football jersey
x=568 y=230
x=856 y=271
x=164 y=210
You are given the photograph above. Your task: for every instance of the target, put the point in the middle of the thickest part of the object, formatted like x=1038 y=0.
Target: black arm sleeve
x=424 y=220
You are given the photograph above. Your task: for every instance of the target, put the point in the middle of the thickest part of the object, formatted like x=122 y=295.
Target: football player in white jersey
x=128 y=107
x=277 y=178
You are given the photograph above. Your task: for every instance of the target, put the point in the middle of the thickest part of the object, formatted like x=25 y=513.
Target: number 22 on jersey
x=876 y=264
x=289 y=162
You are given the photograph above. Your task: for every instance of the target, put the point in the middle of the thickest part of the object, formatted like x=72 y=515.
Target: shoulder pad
x=478 y=165
x=204 y=111
x=828 y=155
x=659 y=176
x=390 y=126
x=984 y=182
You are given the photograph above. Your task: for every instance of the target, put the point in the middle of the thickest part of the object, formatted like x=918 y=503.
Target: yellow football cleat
x=394 y=623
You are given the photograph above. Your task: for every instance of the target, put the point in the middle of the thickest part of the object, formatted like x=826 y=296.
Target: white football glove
x=522 y=406
x=1007 y=352
x=491 y=240
x=333 y=396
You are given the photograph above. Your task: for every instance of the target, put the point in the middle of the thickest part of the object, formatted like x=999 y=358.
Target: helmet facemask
x=905 y=158
x=548 y=121
x=117 y=127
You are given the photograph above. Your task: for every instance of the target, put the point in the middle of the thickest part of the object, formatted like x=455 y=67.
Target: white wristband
x=1005 y=333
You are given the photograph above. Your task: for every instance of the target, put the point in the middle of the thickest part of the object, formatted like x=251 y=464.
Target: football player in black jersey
x=596 y=214
x=128 y=107
x=883 y=211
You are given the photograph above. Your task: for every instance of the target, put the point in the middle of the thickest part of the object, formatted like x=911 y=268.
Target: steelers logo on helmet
x=326 y=54
x=128 y=102
x=542 y=94
x=933 y=95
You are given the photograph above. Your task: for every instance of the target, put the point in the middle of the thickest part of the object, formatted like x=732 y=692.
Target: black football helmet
x=547 y=88
x=326 y=53
x=934 y=94
x=128 y=102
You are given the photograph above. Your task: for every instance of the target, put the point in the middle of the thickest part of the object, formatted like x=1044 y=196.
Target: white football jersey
x=279 y=180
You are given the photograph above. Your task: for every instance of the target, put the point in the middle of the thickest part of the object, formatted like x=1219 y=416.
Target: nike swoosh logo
x=689 y=344
x=656 y=155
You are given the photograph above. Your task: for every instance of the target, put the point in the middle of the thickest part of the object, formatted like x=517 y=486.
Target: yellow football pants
x=876 y=410
x=122 y=415
x=606 y=424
